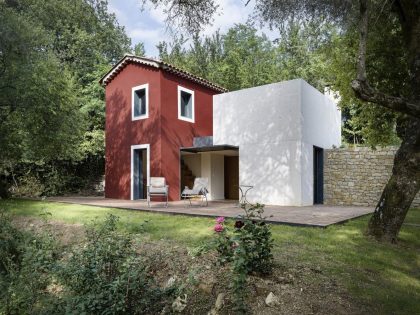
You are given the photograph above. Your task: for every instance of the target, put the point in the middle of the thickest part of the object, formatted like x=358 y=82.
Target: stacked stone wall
x=357 y=176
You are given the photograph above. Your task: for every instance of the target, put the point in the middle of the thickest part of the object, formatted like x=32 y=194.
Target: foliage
x=26 y=266
x=248 y=248
x=187 y=14
x=10 y=251
x=105 y=276
x=373 y=125
x=38 y=111
x=56 y=177
x=139 y=49
x=54 y=113
x=242 y=58
x=28 y=185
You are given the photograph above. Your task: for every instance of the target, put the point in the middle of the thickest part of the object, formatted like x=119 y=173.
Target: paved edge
x=323 y=226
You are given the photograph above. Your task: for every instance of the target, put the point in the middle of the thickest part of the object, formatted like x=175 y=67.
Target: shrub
x=103 y=276
x=106 y=276
x=27 y=186
x=10 y=240
x=52 y=178
x=26 y=267
x=247 y=246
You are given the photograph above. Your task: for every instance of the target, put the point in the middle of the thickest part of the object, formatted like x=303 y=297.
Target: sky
x=148 y=26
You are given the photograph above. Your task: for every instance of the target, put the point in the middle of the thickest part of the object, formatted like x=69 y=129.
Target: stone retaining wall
x=357 y=176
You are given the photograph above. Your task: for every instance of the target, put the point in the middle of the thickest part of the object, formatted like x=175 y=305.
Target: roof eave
x=157 y=64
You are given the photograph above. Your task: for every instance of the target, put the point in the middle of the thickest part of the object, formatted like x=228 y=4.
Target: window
x=140 y=102
x=185 y=104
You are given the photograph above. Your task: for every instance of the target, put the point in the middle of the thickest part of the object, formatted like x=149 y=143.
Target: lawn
x=381 y=277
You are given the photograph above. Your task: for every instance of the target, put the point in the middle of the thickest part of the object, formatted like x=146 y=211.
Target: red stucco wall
x=177 y=133
x=121 y=132
x=162 y=130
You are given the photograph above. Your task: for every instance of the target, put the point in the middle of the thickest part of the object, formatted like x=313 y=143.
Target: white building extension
x=277 y=128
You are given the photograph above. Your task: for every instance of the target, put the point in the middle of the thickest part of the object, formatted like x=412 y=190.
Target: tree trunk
x=401 y=188
x=404 y=183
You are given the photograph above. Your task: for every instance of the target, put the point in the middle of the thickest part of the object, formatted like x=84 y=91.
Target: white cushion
x=157 y=190
x=200 y=187
x=200 y=183
x=157 y=181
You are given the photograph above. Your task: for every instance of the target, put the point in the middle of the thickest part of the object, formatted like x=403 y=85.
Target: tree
x=139 y=49
x=402 y=18
x=238 y=59
x=52 y=109
x=242 y=58
x=38 y=110
x=404 y=183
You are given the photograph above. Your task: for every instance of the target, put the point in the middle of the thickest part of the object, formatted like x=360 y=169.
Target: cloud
x=157 y=14
x=148 y=26
x=142 y=34
x=231 y=12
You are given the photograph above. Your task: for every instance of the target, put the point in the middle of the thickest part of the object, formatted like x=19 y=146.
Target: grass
x=187 y=230
x=384 y=277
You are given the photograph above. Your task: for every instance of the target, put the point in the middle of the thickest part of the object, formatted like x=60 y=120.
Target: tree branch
x=361 y=66
x=361 y=86
x=366 y=93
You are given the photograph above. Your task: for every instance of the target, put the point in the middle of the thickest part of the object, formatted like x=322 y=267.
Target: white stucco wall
x=256 y=115
x=307 y=174
x=320 y=119
x=217 y=184
x=212 y=167
x=275 y=127
x=321 y=127
x=274 y=171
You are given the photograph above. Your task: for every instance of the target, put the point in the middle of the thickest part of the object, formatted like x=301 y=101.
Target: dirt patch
x=67 y=234
x=301 y=289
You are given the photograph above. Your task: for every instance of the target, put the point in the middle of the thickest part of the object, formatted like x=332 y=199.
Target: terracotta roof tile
x=160 y=65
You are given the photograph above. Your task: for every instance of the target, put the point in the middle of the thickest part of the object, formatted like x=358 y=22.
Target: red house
x=152 y=110
x=164 y=122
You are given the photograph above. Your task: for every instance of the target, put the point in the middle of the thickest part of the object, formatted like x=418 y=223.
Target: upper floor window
x=140 y=102
x=185 y=104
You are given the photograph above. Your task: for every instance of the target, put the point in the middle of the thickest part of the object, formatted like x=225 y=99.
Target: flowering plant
x=247 y=247
x=218 y=228
x=220 y=220
x=239 y=224
x=222 y=242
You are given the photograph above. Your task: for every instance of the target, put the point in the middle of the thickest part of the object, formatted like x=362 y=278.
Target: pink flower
x=218 y=228
x=220 y=220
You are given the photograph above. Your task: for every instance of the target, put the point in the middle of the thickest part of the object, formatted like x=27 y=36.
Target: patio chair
x=158 y=188
x=199 y=190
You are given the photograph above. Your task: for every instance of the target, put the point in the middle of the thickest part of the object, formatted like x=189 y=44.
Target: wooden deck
x=316 y=216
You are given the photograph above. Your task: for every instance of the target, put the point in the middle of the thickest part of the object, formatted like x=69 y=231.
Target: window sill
x=190 y=120
x=139 y=117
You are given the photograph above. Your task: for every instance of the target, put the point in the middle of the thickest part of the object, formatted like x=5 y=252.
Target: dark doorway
x=139 y=173
x=232 y=177
x=318 y=175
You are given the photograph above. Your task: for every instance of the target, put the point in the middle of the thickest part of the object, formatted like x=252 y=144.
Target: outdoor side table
x=244 y=190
